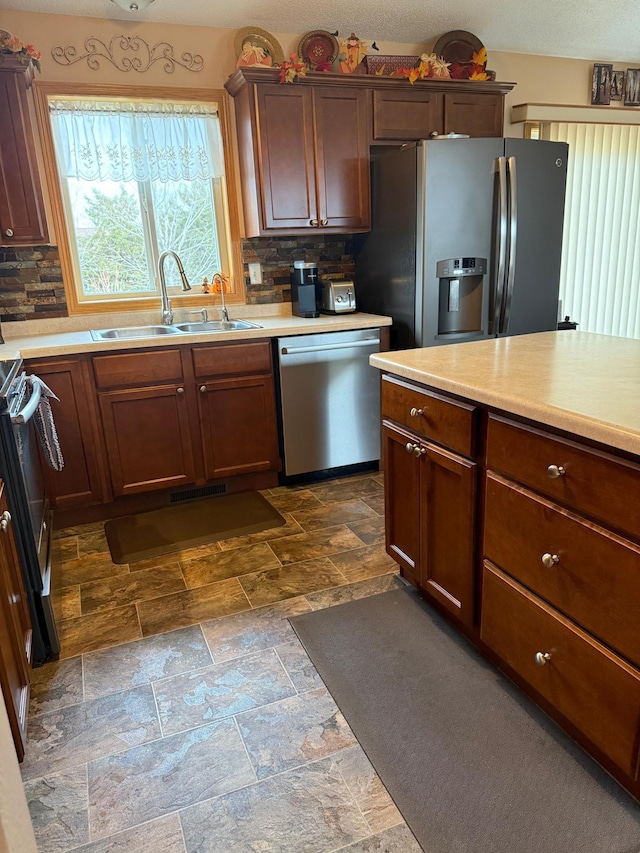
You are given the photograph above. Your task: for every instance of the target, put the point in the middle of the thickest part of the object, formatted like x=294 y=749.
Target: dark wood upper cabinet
x=406 y=115
x=22 y=218
x=304 y=156
x=474 y=113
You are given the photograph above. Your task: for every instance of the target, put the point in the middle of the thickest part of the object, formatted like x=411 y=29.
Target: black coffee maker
x=304 y=283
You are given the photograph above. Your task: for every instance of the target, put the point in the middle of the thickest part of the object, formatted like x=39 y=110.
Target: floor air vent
x=194 y=494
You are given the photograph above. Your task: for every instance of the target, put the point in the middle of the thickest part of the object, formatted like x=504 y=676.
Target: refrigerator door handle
x=501 y=247
x=513 y=234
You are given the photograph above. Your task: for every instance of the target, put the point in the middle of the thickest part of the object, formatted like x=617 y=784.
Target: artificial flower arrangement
x=292 y=68
x=432 y=66
x=25 y=52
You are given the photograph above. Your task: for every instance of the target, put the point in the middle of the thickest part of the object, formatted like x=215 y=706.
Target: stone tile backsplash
x=31 y=285
x=333 y=253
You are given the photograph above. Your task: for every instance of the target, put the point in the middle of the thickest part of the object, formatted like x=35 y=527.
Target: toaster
x=337 y=296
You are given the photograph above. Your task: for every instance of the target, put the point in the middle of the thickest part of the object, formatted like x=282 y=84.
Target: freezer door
x=537 y=174
x=458 y=218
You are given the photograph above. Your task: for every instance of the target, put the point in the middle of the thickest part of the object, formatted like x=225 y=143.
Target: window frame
x=46 y=91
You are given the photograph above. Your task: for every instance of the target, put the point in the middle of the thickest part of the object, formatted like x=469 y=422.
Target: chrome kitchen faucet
x=167 y=313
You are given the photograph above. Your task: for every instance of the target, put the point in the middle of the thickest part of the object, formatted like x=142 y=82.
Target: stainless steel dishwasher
x=330 y=400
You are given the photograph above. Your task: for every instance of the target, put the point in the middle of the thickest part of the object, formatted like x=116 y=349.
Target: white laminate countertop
x=71 y=341
x=582 y=383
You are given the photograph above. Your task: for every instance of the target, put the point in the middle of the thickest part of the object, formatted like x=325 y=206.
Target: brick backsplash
x=31 y=279
x=334 y=255
x=31 y=284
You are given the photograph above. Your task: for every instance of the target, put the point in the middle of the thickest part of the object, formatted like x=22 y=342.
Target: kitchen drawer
x=445 y=421
x=596 y=579
x=230 y=359
x=601 y=486
x=137 y=368
x=596 y=691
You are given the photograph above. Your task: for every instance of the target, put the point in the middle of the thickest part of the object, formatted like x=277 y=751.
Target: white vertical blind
x=600 y=276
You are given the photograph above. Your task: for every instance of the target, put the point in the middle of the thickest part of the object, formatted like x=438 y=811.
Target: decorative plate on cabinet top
x=457 y=46
x=255 y=47
x=319 y=48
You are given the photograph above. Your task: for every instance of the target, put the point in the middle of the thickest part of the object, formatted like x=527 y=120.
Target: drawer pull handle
x=416 y=449
x=542 y=658
x=555 y=471
x=549 y=560
x=416 y=413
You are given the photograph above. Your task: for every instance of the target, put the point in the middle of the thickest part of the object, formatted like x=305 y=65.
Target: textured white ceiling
x=586 y=29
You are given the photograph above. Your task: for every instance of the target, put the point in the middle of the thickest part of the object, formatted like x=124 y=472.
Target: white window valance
x=123 y=141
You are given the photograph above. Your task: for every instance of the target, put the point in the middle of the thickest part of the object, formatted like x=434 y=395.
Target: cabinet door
x=448 y=487
x=342 y=152
x=80 y=482
x=476 y=114
x=287 y=170
x=406 y=116
x=238 y=423
x=402 y=501
x=146 y=432
x=15 y=633
x=22 y=218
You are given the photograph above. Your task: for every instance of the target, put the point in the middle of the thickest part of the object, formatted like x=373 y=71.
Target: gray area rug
x=471 y=763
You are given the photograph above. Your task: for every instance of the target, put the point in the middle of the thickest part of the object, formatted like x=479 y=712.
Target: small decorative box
x=387 y=64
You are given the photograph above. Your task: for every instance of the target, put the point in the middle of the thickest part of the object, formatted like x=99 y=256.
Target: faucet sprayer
x=167 y=313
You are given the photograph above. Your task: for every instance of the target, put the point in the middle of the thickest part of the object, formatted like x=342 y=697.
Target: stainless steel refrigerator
x=466 y=239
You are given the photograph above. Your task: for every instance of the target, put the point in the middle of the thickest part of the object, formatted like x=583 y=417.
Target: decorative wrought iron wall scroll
x=127 y=53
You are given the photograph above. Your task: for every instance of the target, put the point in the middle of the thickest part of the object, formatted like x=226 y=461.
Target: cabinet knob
x=179 y=390
x=549 y=560
x=409 y=447
x=324 y=222
x=542 y=658
x=555 y=471
x=9 y=232
x=434 y=134
x=314 y=223
x=203 y=389
x=5 y=518
x=416 y=413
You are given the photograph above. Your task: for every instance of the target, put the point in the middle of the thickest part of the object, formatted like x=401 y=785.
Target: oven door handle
x=25 y=415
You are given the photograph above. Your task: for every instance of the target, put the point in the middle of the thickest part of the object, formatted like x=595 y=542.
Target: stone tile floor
x=184 y=716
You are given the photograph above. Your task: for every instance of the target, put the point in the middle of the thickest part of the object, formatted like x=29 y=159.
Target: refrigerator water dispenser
x=461 y=283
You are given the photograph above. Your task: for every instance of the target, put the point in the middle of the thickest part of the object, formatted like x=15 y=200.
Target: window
x=600 y=278
x=138 y=178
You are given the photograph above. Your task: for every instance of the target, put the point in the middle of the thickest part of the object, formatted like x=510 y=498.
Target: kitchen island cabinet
x=430 y=493
x=556 y=568
x=15 y=631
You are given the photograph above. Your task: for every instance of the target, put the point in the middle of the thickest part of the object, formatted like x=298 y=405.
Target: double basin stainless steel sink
x=178 y=329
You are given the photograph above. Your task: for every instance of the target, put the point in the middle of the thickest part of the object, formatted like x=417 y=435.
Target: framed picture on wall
x=617 y=85
x=632 y=88
x=601 y=84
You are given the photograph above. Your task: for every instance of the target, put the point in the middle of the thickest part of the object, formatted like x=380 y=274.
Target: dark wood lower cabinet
x=15 y=632
x=430 y=499
x=238 y=426
x=81 y=481
x=147 y=438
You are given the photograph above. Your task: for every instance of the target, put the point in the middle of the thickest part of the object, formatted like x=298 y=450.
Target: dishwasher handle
x=328 y=347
